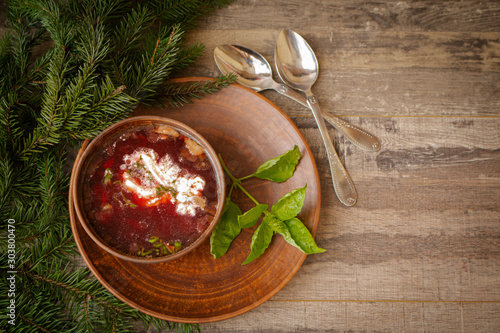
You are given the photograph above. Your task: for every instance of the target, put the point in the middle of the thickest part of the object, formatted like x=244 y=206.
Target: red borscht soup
x=150 y=192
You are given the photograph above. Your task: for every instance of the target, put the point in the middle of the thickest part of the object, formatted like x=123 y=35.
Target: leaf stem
x=246 y=177
x=231 y=190
x=236 y=182
x=227 y=171
x=247 y=194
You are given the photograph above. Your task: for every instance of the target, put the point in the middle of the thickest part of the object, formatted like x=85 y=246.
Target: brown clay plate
x=246 y=129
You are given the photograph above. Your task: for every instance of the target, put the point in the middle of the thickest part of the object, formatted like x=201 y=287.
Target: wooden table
x=420 y=251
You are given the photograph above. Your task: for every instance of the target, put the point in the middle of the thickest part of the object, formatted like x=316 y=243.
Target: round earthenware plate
x=247 y=130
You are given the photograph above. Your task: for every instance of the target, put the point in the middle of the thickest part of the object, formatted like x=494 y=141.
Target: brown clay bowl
x=111 y=133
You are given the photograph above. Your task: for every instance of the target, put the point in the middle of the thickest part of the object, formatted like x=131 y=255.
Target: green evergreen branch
x=48 y=12
x=69 y=288
x=107 y=57
x=47 y=132
x=187 y=56
x=130 y=30
x=66 y=248
x=178 y=94
x=33 y=324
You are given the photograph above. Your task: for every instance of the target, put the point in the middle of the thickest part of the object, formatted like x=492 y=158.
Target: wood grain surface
x=420 y=251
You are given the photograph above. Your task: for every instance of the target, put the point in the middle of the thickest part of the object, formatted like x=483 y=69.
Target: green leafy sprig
x=282 y=219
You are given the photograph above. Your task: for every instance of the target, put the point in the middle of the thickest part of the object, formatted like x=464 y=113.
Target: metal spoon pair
x=298 y=67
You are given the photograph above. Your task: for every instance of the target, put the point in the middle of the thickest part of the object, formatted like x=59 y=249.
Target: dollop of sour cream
x=158 y=177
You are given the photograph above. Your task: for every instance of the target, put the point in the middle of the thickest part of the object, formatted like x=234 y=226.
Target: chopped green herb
x=127 y=201
x=162 y=190
x=143 y=253
x=108 y=174
x=160 y=247
x=153 y=239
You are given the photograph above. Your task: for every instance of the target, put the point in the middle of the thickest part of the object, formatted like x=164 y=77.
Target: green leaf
x=260 y=241
x=301 y=237
x=281 y=167
x=294 y=232
x=290 y=204
x=251 y=217
x=281 y=228
x=226 y=230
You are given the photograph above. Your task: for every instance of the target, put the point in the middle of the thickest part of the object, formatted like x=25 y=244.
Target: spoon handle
x=342 y=182
x=290 y=93
x=357 y=136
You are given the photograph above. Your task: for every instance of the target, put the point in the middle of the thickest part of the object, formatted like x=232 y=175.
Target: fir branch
x=49 y=122
x=89 y=294
x=187 y=56
x=130 y=30
x=5 y=55
x=15 y=92
x=61 y=249
x=178 y=94
x=6 y=184
x=108 y=105
x=85 y=294
x=33 y=324
x=107 y=56
x=48 y=12
x=145 y=77
x=7 y=119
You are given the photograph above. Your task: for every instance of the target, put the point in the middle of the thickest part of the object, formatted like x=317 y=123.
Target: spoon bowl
x=252 y=69
x=297 y=62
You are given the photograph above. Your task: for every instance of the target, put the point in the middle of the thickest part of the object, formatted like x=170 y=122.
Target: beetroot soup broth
x=150 y=192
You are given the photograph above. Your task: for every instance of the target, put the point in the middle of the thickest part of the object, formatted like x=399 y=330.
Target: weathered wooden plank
x=398 y=93
x=284 y=316
x=379 y=50
x=480 y=319
x=415 y=147
x=413 y=15
x=337 y=275
x=385 y=73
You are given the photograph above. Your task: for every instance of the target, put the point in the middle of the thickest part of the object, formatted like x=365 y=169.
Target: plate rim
x=190 y=320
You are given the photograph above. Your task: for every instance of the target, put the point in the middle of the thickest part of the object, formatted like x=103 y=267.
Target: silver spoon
x=254 y=72
x=298 y=67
